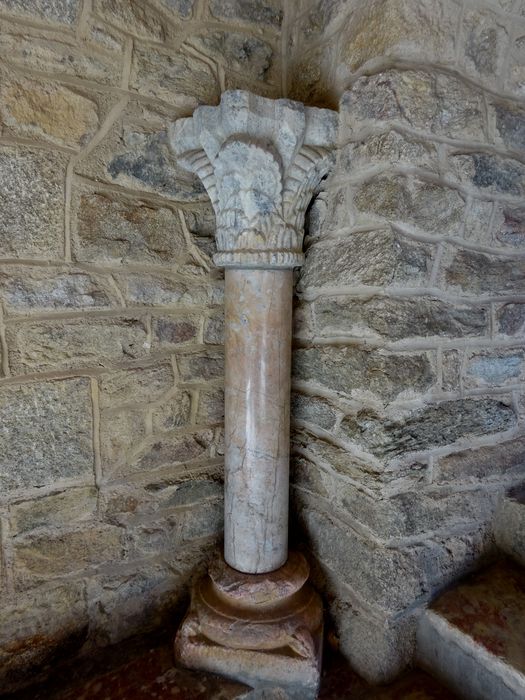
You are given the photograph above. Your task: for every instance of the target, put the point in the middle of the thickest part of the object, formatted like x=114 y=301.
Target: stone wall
x=110 y=315
x=410 y=321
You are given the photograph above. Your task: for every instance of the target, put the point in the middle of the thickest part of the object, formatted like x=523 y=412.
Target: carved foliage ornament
x=260 y=161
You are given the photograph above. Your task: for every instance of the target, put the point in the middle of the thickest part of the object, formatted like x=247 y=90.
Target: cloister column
x=260 y=161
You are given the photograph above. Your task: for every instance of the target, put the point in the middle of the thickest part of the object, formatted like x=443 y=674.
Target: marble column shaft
x=258 y=330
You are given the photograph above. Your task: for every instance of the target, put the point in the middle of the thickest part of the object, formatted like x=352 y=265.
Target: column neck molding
x=260 y=161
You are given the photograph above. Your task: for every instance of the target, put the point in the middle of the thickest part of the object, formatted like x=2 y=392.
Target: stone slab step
x=509 y=525
x=473 y=637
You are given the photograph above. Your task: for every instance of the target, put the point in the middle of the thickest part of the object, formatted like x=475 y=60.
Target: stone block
x=174 y=413
x=46 y=434
x=63 y=12
x=67 y=344
x=390 y=148
x=509 y=225
x=474 y=273
x=354 y=371
x=170 y=534
x=494 y=368
x=393 y=28
x=194 y=491
x=429 y=102
x=451 y=369
x=482 y=464
x=32 y=203
x=211 y=406
x=42 y=555
x=268 y=12
x=161 y=289
x=214 y=329
x=132 y=17
x=434 y=425
x=377 y=258
x=490 y=173
x=121 y=434
x=46 y=111
x=517 y=66
x=510 y=319
x=35 y=290
x=313 y=410
x=135 y=386
x=509 y=525
x=202 y=366
x=398 y=318
x=478 y=222
x=243 y=53
x=510 y=125
x=27 y=49
x=426 y=206
x=109 y=229
x=56 y=510
x=161 y=452
x=178 y=78
x=485 y=41
x=173 y=331
x=183 y=8
x=38 y=629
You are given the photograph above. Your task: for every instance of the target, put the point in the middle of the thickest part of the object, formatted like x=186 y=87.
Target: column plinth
x=254 y=617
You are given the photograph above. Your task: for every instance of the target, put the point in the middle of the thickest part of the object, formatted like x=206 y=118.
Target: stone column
x=260 y=161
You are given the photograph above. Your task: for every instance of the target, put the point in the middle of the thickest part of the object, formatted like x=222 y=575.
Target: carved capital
x=260 y=161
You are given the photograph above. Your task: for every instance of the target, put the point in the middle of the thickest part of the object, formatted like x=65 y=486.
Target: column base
x=264 y=630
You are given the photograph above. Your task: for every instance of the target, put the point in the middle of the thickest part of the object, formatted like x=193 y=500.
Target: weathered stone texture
x=76 y=343
x=61 y=509
x=351 y=369
x=491 y=368
x=490 y=173
x=32 y=203
x=510 y=319
x=59 y=11
x=474 y=273
x=484 y=463
x=242 y=53
x=133 y=17
x=46 y=433
x=399 y=318
x=486 y=42
x=135 y=386
x=267 y=12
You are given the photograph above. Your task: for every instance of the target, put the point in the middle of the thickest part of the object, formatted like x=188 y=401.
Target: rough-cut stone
x=510 y=226
x=138 y=159
x=477 y=222
x=202 y=366
x=120 y=433
x=376 y=258
x=486 y=41
x=59 y=11
x=37 y=629
x=433 y=102
x=131 y=16
x=211 y=407
x=451 y=367
x=214 y=330
x=509 y=525
x=109 y=229
x=58 y=58
x=238 y=52
x=349 y=369
x=175 y=413
x=477 y=273
x=491 y=368
x=72 y=343
x=425 y=205
x=46 y=554
x=166 y=451
x=510 y=319
x=399 y=318
x=37 y=109
x=393 y=28
x=149 y=289
x=517 y=66
x=171 y=332
x=313 y=410
x=194 y=491
x=269 y=12
x=483 y=463
x=135 y=386
x=45 y=434
x=433 y=426
x=30 y=290
x=387 y=148
x=177 y=78
x=57 y=510
x=32 y=203
x=183 y=8
x=510 y=125
x=490 y=173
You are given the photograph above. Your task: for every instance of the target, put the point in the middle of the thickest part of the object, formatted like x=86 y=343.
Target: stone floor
x=139 y=671
x=490 y=607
